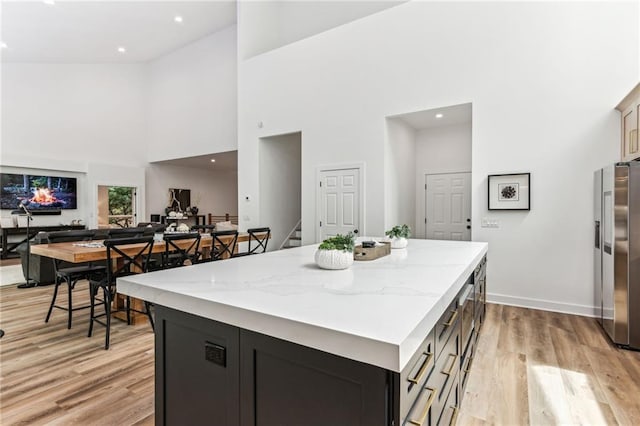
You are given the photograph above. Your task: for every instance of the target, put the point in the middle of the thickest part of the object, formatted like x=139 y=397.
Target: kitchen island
x=272 y=339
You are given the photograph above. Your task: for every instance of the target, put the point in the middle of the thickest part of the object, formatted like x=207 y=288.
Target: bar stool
x=261 y=237
x=175 y=256
x=70 y=273
x=127 y=264
x=221 y=249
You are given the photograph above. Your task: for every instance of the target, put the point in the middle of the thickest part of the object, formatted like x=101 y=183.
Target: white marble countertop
x=377 y=312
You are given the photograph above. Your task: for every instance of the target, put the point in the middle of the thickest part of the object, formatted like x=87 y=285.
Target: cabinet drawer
x=422 y=413
x=415 y=375
x=467 y=360
x=446 y=326
x=446 y=370
x=451 y=406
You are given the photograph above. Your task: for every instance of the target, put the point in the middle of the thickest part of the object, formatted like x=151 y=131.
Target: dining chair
x=260 y=236
x=223 y=248
x=119 y=264
x=175 y=255
x=70 y=273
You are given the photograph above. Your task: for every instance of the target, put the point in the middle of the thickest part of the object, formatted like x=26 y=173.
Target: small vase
x=334 y=259
x=399 y=242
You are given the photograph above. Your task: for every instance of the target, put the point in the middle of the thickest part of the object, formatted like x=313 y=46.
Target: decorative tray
x=371 y=253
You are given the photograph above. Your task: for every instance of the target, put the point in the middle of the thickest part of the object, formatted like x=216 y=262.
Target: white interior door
x=339 y=202
x=448 y=206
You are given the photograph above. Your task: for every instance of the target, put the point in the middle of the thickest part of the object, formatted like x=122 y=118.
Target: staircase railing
x=290 y=234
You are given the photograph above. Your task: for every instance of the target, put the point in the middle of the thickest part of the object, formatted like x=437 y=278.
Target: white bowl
x=334 y=259
x=399 y=243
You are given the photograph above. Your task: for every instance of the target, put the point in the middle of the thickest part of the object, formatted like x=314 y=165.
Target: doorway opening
x=428 y=172
x=280 y=162
x=116 y=206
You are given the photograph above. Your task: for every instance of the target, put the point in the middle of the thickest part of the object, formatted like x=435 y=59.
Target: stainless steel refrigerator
x=617 y=252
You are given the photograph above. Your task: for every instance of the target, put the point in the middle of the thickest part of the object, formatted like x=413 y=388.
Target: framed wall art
x=510 y=191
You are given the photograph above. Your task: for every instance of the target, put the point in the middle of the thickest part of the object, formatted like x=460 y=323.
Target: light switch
x=486 y=222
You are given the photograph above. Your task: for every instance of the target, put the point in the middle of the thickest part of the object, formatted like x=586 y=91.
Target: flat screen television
x=37 y=192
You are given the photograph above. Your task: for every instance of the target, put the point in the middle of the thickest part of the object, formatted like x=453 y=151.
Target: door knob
x=468 y=226
x=355 y=231
x=468 y=220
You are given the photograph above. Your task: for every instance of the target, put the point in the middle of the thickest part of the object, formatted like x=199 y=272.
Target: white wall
x=192 y=99
x=279 y=190
x=267 y=25
x=445 y=149
x=212 y=191
x=82 y=120
x=399 y=164
x=74 y=112
x=543 y=91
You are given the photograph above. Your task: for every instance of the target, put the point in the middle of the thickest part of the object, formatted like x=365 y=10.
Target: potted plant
x=398 y=236
x=336 y=252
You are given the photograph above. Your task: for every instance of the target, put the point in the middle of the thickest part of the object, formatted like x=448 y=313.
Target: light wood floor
x=52 y=375
x=532 y=367
x=539 y=368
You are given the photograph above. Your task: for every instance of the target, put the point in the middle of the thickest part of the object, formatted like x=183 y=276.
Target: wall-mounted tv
x=37 y=192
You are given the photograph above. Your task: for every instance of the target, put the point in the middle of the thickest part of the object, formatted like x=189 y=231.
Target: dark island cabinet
x=210 y=373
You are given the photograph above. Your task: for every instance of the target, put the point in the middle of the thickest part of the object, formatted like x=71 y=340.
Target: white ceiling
x=91 y=31
x=456 y=114
x=225 y=161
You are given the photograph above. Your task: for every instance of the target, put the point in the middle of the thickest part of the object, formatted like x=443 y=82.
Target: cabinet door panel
x=197 y=370
x=630 y=132
x=287 y=384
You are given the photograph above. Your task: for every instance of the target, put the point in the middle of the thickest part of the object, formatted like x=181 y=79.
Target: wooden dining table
x=81 y=252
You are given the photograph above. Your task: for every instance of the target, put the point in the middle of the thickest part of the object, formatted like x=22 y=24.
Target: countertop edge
x=387 y=355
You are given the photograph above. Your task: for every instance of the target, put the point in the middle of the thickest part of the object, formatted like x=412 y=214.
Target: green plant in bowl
x=336 y=252
x=398 y=236
x=399 y=231
x=339 y=242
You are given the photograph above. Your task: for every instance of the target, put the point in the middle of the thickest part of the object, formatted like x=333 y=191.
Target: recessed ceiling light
x=213 y=160
x=49 y=2
x=3 y=45
x=439 y=116
x=178 y=19
x=122 y=49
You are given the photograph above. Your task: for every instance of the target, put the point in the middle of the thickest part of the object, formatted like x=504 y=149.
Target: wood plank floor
x=545 y=368
x=52 y=375
x=531 y=367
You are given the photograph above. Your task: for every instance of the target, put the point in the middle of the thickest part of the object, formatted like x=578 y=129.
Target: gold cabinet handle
x=453 y=364
x=425 y=410
x=423 y=369
x=466 y=370
x=454 y=418
x=452 y=319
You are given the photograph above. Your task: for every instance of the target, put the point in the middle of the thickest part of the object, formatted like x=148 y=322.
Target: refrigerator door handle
x=597 y=234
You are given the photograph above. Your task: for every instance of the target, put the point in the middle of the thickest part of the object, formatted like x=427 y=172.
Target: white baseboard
x=543 y=305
